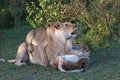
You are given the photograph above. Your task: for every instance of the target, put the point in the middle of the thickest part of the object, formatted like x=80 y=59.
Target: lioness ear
x=49 y=24
x=57 y=26
x=66 y=23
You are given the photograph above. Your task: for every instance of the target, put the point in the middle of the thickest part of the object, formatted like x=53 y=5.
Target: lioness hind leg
x=29 y=38
x=22 y=55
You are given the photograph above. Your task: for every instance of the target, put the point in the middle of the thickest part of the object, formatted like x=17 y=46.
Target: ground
x=105 y=62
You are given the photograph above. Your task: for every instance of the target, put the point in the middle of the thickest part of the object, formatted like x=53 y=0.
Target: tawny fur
x=42 y=45
x=74 y=62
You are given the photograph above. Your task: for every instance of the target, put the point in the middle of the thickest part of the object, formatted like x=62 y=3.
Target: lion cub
x=73 y=62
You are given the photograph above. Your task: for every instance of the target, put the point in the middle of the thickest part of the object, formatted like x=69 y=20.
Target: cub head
x=67 y=29
x=85 y=50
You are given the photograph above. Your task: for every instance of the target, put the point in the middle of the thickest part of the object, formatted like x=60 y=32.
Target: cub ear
x=57 y=26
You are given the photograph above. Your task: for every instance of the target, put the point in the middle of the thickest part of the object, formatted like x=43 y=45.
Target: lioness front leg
x=43 y=56
x=22 y=56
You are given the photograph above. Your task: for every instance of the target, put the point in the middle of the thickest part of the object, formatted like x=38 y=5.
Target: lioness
x=74 y=62
x=42 y=45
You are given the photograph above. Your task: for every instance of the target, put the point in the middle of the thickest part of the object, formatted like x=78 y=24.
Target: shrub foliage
x=98 y=21
x=11 y=13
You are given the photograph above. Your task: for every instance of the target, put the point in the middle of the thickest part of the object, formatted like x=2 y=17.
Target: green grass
x=105 y=65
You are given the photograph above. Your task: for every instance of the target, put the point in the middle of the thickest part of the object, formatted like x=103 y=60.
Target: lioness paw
x=44 y=62
x=20 y=64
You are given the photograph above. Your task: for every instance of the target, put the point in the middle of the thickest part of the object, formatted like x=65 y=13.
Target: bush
x=11 y=13
x=98 y=21
x=7 y=20
x=45 y=11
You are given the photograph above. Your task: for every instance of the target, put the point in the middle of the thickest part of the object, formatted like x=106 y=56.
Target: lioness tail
x=2 y=60
x=11 y=61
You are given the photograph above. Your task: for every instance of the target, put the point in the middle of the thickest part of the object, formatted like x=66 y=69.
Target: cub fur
x=74 y=62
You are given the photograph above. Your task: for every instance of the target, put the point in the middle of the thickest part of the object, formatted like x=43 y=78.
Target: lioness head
x=67 y=29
